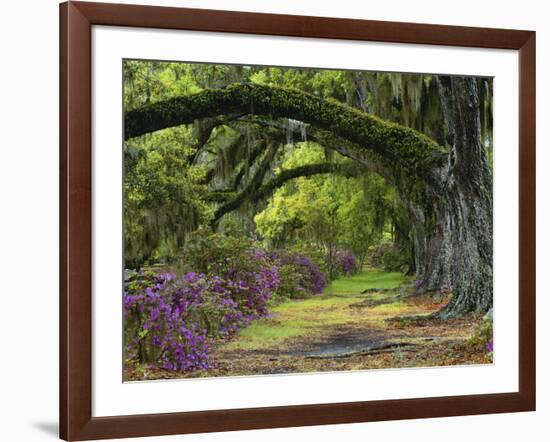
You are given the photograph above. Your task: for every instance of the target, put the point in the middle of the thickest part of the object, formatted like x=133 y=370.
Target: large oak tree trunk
x=459 y=251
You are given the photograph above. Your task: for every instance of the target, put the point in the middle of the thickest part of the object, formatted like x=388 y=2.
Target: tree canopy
x=333 y=157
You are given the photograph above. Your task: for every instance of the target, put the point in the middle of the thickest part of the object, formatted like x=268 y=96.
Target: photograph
x=282 y=220
x=236 y=221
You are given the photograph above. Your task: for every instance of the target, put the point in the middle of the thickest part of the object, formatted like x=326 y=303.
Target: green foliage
x=151 y=81
x=315 y=254
x=483 y=334
x=160 y=203
x=319 y=214
x=289 y=283
x=231 y=253
x=135 y=282
x=394 y=260
x=217 y=253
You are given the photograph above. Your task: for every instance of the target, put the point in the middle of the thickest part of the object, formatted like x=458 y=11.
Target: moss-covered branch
x=407 y=147
x=255 y=183
x=301 y=171
x=255 y=193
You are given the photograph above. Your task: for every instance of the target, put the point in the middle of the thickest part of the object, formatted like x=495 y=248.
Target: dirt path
x=349 y=327
x=344 y=329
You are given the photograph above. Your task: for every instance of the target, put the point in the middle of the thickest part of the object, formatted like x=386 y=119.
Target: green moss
x=398 y=144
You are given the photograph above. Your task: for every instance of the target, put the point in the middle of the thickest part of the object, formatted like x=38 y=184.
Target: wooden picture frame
x=76 y=21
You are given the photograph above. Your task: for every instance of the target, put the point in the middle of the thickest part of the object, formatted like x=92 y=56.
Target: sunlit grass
x=262 y=334
x=367 y=279
x=389 y=308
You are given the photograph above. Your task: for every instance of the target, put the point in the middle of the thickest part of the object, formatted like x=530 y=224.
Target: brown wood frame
x=76 y=421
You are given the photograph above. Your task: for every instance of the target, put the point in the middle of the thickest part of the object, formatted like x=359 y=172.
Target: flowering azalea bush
x=298 y=275
x=169 y=320
x=345 y=262
x=159 y=322
x=312 y=279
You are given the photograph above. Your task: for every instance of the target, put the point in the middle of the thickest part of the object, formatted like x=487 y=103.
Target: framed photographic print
x=272 y=220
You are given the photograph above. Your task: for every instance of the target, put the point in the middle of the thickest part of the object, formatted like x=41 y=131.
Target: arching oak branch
x=408 y=148
x=302 y=171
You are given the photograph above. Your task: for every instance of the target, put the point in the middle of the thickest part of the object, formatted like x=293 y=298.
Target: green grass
x=293 y=318
x=308 y=316
x=262 y=330
x=396 y=306
x=367 y=279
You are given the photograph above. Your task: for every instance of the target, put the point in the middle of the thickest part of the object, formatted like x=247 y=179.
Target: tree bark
x=459 y=251
x=256 y=191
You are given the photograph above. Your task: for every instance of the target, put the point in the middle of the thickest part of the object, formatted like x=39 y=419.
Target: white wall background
x=29 y=217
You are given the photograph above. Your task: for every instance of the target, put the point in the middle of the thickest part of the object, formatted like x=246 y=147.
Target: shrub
x=482 y=336
x=159 y=328
x=168 y=322
x=289 y=283
x=312 y=278
x=252 y=285
x=243 y=269
x=314 y=254
x=217 y=253
x=376 y=253
x=345 y=262
x=394 y=261
x=298 y=274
